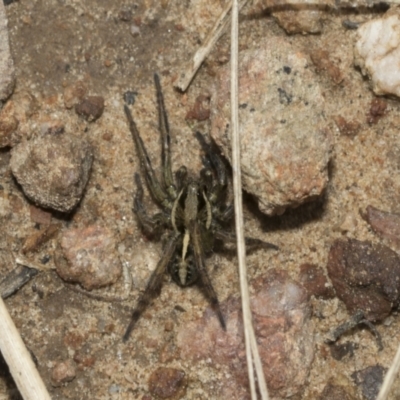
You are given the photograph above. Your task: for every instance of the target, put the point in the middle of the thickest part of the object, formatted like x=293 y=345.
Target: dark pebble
x=90 y=108
x=365 y=277
x=166 y=383
x=370 y=380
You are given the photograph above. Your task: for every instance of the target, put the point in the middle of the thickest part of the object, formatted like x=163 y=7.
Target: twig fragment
x=204 y=50
x=15 y=280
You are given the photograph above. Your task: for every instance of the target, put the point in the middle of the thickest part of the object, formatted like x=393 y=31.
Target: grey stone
x=53 y=169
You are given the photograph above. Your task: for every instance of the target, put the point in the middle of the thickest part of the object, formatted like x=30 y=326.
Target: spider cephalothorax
x=192 y=210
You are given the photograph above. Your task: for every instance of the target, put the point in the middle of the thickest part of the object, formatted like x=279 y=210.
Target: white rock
x=377 y=53
x=7 y=73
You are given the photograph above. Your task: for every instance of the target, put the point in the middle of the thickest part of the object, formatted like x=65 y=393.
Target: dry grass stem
x=250 y=340
x=390 y=377
x=204 y=50
x=18 y=359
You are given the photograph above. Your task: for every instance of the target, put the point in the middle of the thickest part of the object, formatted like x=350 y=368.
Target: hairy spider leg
x=150 y=225
x=154 y=284
x=166 y=141
x=201 y=267
x=155 y=188
x=230 y=237
x=215 y=188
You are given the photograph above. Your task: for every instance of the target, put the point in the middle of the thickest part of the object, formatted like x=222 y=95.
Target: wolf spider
x=193 y=210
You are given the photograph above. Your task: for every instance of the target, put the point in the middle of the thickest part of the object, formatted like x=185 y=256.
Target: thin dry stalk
x=19 y=360
x=204 y=50
x=390 y=377
x=250 y=340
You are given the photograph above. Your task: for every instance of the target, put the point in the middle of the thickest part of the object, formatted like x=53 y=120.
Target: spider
x=192 y=210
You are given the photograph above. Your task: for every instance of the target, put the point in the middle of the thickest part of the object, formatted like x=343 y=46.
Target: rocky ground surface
x=321 y=154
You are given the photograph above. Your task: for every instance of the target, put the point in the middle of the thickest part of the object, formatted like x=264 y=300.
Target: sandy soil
x=115 y=47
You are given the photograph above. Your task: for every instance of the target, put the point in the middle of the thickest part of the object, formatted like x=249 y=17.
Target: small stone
x=166 y=383
x=347 y=128
x=125 y=15
x=201 y=109
x=339 y=351
x=63 y=372
x=349 y=223
x=53 y=169
x=377 y=110
x=385 y=224
x=377 y=52
x=135 y=30
x=7 y=71
x=88 y=256
x=370 y=379
x=300 y=18
x=365 y=277
x=284 y=329
x=323 y=63
x=285 y=140
x=315 y=282
x=74 y=94
x=8 y=125
x=90 y=108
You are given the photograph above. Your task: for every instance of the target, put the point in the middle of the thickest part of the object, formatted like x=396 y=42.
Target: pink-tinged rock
x=365 y=277
x=285 y=140
x=304 y=17
x=63 y=372
x=385 y=224
x=284 y=331
x=53 y=169
x=88 y=256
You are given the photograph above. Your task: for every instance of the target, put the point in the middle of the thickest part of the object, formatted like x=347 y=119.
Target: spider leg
x=251 y=243
x=203 y=275
x=151 y=226
x=154 y=284
x=155 y=188
x=166 y=141
x=219 y=166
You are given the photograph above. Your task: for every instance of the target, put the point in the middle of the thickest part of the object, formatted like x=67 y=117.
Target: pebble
x=285 y=141
x=90 y=108
x=377 y=52
x=315 y=282
x=385 y=224
x=8 y=126
x=370 y=380
x=167 y=383
x=300 y=18
x=284 y=329
x=7 y=71
x=365 y=277
x=63 y=372
x=201 y=109
x=376 y=111
x=53 y=169
x=16 y=118
x=73 y=94
x=88 y=256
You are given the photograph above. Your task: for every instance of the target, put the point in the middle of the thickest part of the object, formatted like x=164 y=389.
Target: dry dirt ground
x=117 y=46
